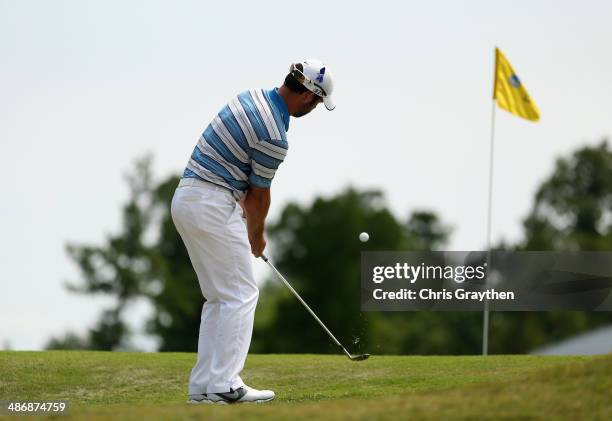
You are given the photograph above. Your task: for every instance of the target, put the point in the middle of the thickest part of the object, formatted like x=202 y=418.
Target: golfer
x=227 y=179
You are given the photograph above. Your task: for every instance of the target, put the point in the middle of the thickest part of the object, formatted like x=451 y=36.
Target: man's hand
x=256 y=205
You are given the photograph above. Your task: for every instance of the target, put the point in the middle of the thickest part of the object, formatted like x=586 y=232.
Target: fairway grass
x=143 y=386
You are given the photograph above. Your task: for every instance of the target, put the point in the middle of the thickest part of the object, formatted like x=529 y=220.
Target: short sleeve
x=266 y=157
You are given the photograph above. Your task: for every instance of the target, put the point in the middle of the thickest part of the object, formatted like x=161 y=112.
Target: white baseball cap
x=316 y=77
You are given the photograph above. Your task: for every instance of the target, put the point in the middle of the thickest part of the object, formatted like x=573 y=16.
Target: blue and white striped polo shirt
x=244 y=144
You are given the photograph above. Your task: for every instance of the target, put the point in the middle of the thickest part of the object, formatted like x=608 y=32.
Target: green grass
x=136 y=386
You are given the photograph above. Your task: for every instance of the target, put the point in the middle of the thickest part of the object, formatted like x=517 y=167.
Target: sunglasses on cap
x=297 y=71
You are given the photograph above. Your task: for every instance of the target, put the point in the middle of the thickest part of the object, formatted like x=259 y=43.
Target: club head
x=359 y=357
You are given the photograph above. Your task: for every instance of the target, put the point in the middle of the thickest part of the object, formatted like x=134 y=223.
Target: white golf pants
x=210 y=223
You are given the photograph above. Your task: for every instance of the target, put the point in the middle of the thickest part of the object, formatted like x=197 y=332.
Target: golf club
x=359 y=357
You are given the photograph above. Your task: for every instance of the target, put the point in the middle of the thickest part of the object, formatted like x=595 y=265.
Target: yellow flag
x=509 y=92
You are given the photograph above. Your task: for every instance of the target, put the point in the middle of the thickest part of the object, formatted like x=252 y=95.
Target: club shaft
x=312 y=313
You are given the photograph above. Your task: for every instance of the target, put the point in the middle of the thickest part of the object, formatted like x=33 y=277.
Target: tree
x=120 y=268
x=139 y=263
x=317 y=247
x=572 y=210
x=573 y=207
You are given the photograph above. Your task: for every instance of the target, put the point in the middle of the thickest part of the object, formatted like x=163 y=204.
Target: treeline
x=316 y=246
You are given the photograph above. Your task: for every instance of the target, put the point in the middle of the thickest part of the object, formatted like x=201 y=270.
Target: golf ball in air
x=363 y=237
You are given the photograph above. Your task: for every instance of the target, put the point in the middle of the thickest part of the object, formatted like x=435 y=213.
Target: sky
x=86 y=88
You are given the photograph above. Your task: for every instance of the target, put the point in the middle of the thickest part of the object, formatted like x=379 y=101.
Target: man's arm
x=256 y=205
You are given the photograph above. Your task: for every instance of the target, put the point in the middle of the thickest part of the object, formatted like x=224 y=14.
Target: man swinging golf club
x=228 y=177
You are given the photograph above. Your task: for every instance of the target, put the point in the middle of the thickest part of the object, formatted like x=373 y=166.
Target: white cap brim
x=329 y=103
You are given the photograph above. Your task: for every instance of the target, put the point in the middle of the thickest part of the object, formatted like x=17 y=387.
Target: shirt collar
x=279 y=102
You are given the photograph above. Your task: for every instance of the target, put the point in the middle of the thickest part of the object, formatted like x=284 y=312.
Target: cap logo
x=321 y=74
